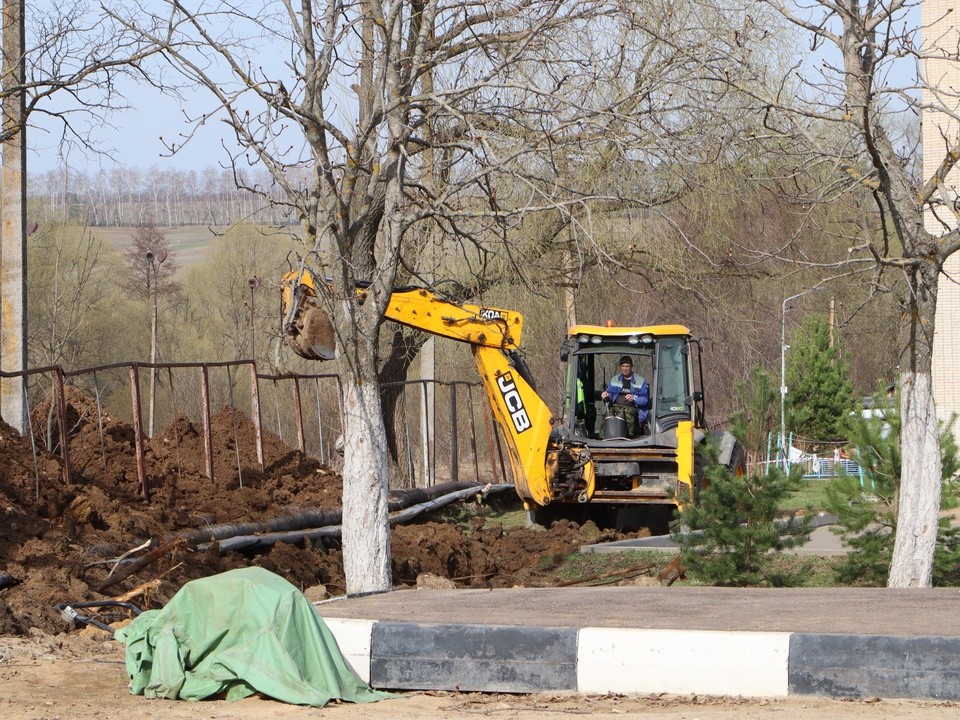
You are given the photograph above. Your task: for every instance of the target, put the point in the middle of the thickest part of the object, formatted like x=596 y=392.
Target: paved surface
x=865 y=611
x=822 y=542
x=833 y=642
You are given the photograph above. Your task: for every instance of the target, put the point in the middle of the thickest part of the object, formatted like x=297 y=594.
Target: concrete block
x=682 y=661
x=409 y=656
x=885 y=666
x=353 y=637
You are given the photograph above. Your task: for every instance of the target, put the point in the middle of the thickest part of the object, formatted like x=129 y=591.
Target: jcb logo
x=488 y=314
x=514 y=403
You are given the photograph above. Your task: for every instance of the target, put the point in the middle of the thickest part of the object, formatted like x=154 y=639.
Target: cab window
x=672 y=378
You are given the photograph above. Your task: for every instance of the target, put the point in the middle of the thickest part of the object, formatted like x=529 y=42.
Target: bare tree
x=365 y=188
x=68 y=289
x=235 y=314
x=76 y=53
x=150 y=264
x=63 y=274
x=460 y=120
x=76 y=56
x=835 y=118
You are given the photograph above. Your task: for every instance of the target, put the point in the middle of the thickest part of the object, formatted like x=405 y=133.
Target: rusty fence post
x=426 y=440
x=255 y=412
x=205 y=413
x=473 y=434
x=61 y=400
x=454 y=445
x=490 y=445
x=138 y=429
x=298 y=415
x=321 y=448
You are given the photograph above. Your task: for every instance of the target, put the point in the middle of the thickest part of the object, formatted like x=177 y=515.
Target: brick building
x=941 y=37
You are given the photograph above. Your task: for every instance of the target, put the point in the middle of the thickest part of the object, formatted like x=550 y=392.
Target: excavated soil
x=59 y=543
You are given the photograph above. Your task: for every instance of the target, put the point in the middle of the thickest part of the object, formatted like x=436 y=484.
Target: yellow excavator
x=582 y=463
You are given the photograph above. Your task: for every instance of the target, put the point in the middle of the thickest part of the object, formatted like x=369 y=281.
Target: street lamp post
x=783 y=372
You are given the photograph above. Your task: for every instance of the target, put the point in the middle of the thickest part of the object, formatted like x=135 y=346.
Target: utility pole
x=154 y=260
x=253 y=283
x=428 y=351
x=13 y=237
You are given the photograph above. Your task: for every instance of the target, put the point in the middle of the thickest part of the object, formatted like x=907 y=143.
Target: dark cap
x=626 y=359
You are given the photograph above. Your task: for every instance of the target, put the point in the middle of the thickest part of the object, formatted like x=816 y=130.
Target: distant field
x=187 y=243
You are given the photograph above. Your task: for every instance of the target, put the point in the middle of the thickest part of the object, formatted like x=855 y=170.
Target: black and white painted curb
x=482 y=658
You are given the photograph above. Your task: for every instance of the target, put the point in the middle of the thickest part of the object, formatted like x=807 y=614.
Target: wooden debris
x=146 y=589
x=672 y=572
x=148 y=559
x=623 y=574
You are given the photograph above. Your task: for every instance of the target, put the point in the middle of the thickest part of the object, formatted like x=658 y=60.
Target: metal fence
x=448 y=432
x=814 y=467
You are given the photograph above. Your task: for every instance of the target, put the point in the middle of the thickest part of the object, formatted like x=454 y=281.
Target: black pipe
x=245 y=542
x=314 y=518
x=69 y=612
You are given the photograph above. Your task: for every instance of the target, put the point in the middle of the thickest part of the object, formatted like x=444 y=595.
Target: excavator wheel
x=737 y=464
x=312 y=336
x=738 y=461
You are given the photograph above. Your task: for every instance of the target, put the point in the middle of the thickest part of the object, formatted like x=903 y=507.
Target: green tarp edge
x=232 y=635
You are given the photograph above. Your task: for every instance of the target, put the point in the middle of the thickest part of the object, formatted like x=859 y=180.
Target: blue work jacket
x=640 y=392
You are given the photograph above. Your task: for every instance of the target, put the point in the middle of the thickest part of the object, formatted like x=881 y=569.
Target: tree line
x=165 y=196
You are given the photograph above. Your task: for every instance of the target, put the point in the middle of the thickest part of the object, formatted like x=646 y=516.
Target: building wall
x=941 y=31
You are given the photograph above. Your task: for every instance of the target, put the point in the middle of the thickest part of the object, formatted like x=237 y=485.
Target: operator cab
x=661 y=365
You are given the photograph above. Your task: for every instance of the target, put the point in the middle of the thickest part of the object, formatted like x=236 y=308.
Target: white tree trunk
x=366 y=530
x=919 y=506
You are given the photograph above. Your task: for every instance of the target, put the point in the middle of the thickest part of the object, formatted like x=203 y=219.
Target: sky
x=132 y=136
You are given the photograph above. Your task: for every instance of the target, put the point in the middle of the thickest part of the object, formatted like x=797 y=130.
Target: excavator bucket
x=307 y=329
x=311 y=335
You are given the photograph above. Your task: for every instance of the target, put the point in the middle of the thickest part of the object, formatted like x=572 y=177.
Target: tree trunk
x=918 y=509
x=366 y=532
x=404 y=349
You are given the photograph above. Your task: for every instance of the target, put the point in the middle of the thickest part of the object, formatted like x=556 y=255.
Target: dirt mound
x=59 y=543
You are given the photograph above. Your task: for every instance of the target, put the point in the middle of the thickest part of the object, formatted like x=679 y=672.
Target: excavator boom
x=545 y=468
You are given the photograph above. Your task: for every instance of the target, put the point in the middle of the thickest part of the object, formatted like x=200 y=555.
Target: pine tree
x=866 y=506
x=759 y=412
x=820 y=397
x=735 y=531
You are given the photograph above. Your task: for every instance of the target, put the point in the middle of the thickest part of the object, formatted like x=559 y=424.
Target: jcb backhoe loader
x=581 y=464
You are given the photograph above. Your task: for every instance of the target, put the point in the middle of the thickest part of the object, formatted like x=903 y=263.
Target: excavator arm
x=545 y=466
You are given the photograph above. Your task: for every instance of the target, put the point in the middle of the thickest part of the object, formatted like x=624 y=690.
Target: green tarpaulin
x=235 y=634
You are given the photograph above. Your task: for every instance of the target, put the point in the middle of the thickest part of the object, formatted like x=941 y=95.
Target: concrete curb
x=527 y=659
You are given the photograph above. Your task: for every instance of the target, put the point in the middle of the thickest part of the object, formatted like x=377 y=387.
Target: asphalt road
x=867 y=611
